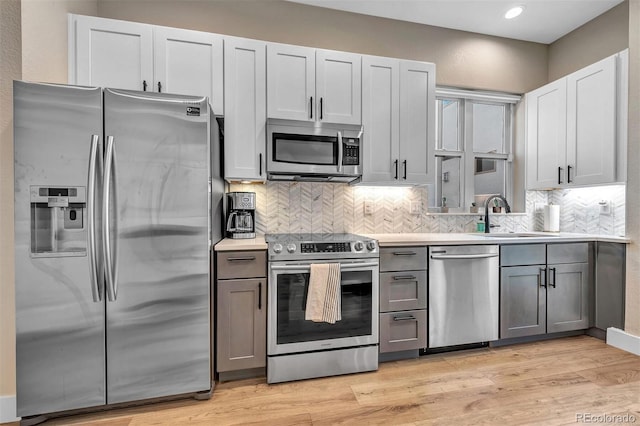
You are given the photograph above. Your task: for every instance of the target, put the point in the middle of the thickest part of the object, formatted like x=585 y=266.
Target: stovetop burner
x=320 y=246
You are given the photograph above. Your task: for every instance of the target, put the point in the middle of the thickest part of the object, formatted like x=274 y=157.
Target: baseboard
x=623 y=340
x=8 y=409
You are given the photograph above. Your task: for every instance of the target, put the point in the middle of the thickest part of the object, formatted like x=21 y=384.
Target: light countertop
x=229 y=244
x=407 y=239
x=497 y=238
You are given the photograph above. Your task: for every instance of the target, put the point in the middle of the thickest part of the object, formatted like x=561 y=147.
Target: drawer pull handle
x=408 y=318
x=238 y=259
x=404 y=277
x=404 y=253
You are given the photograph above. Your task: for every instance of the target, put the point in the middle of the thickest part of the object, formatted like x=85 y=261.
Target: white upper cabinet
x=110 y=53
x=189 y=63
x=313 y=85
x=398 y=116
x=591 y=124
x=417 y=121
x=245 y=109
x=380 y=119
x=339 y=87
x=546 y=135
x=128 y=55
x=573 y=124
x=291 y=82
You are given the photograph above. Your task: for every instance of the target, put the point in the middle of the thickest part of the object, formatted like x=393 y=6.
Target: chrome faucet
x=507 y=208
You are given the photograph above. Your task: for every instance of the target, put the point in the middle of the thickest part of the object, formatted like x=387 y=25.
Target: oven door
x=289 y=332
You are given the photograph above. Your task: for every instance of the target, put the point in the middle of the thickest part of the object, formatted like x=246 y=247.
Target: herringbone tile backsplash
x=322 y=207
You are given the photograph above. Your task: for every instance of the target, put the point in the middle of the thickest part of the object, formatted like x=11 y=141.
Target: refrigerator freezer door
x=158 y=324
x=60 y=351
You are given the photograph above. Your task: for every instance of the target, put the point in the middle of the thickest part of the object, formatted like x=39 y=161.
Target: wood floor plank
x=542 y=383
x=625 y=372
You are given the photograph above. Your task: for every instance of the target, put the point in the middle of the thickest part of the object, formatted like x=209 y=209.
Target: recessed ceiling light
x=513 y=12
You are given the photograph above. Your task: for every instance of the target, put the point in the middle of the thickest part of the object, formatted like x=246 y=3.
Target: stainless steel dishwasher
x=464 y=290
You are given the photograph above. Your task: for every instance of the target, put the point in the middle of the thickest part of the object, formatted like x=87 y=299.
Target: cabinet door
x=417 y=121
x=110 y=53
x=568 y=297
x=546 y=136
x=291 y=82
x=380 y=119
x=591 y=124
x=339 y=87
x=245 y=109
x=242 y=324
x=189 y=63
x=522 y=301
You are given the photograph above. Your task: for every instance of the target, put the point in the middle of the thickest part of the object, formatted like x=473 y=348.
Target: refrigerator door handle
x=110 y=270
x=96 y=281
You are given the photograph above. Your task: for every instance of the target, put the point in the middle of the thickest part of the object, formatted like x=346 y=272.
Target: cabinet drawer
x=403 y=258
x=403 y=331
x=522 y=254
x=568 y=253
x=402 y=291
x=242 y=264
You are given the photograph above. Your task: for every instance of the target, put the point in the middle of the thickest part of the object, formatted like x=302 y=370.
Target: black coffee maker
x=241 y=210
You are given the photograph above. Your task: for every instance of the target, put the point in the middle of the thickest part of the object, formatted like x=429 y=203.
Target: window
x=473 y=148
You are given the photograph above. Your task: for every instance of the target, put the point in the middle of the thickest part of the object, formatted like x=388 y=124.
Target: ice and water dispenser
x=58 y=221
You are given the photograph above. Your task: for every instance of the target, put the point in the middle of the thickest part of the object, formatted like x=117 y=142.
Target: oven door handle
x=307 y=267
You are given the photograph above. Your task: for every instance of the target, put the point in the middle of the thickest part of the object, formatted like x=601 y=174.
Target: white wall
x=632 y=318
x=10 y=68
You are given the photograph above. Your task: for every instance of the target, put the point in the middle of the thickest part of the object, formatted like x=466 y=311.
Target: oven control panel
x=284 y=249
x=325 y=247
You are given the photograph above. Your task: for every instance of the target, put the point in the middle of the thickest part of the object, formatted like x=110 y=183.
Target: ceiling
x=543 y=21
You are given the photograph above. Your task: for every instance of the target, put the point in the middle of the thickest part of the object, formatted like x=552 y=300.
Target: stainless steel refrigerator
x=112 y=228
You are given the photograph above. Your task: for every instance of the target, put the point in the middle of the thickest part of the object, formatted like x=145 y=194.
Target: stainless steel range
x=301 y=349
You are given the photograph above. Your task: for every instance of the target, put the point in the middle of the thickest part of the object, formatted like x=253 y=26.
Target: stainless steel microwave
x=313 y=151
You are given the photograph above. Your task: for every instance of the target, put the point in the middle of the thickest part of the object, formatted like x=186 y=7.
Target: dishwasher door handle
x=464 y=256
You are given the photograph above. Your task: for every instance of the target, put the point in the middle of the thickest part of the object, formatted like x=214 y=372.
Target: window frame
x=466 y=100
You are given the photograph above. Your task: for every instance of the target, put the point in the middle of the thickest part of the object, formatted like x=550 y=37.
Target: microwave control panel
x=350 y=151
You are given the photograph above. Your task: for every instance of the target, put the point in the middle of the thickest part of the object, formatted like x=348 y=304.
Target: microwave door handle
x=340 y=153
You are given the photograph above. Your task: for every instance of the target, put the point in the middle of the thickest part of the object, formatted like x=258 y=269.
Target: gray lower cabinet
x=241 y=311
x=610 y=285
x=403 y=299
x=544 y=288
x=523 y=301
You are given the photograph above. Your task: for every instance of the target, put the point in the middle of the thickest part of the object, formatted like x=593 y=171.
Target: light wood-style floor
x=546 y=383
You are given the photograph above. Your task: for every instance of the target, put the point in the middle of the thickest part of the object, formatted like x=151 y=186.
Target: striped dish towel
x=324 y=295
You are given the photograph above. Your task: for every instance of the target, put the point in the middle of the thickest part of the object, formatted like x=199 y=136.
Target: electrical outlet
x=605 y=207
x=538 y=207
x=415 y=207
x=368 y=207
